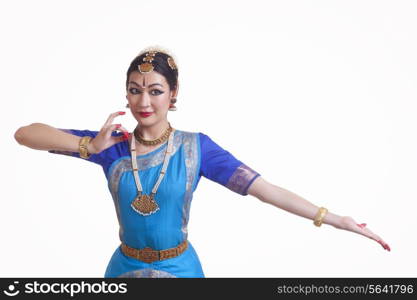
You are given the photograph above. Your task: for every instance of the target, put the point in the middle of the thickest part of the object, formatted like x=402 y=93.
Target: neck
x=152 y=132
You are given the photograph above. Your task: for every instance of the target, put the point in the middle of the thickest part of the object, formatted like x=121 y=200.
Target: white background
x=317 y=96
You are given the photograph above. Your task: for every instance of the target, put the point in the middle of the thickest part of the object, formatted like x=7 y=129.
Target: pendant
x=145 y=204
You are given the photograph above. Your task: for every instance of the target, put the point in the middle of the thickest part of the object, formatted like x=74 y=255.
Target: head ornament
x=146 y=66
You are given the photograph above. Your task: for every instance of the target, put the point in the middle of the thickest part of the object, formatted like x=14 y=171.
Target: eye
x=157 y=92
x=132 y=90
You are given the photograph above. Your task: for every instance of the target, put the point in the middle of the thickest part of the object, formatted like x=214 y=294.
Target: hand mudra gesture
x=104 y=138
x=350 y=224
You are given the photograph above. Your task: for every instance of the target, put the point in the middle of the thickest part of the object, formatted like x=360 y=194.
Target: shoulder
x=193 y=134
x=200 y=139
x=185 y=135
x=193 y=139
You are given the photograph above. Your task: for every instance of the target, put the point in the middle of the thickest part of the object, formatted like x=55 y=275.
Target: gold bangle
x=318 y=220
x=83 y=147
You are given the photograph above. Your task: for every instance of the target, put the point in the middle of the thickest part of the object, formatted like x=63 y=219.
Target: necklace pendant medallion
x=145 y=204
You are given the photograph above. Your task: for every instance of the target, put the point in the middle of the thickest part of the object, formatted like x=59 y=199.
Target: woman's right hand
x=104 y=138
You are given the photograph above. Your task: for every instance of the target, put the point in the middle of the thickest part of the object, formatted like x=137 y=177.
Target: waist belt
x=149 y=255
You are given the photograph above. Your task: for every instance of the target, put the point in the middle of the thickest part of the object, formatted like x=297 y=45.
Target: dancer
x=153 y=171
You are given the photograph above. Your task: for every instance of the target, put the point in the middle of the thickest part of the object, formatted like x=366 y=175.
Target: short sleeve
x=219 y=165
x=99 y=158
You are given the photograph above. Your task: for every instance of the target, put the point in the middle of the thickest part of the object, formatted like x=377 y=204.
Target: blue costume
x=194 y=155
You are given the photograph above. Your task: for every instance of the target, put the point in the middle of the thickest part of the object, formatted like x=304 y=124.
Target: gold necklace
x=146 y=204
x=157 y=141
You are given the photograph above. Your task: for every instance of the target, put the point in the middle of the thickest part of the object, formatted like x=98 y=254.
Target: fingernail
x=122 y=112
x=126 y=135
x=118 y=125
x=363 y=224
x=385 y=246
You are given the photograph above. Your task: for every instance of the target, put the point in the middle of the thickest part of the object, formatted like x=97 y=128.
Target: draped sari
x=194 y=155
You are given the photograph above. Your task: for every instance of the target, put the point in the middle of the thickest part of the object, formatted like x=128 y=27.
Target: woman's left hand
x=347 y=223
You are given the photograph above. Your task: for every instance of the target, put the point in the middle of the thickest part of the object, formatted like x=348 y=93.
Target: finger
x=122 y=129
x=117 y=127
x=370 y=234
x=121 y=138
x=118 y=138
x=366 y=232
x=110 y=119
x=375 y=237
x=384 y=245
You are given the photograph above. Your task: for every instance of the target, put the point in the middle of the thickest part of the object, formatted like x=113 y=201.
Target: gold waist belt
x=149 y=255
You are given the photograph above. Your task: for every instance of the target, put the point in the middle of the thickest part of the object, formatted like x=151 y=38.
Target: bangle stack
x=83 y=147
x=318 y=220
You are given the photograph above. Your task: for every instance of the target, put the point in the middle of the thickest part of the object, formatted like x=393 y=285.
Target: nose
x=144 y=100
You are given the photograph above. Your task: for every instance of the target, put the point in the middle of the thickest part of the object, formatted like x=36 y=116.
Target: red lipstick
x=145 y=114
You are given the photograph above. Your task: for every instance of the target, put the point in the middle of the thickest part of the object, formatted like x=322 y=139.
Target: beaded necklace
x=146 y=204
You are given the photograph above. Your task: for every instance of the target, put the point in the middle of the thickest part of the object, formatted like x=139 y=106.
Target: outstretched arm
x=295 y=204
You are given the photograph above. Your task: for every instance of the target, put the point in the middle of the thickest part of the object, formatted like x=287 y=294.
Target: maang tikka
x=147 y=66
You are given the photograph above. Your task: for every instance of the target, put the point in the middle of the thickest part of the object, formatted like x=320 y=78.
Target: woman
x=153 y=172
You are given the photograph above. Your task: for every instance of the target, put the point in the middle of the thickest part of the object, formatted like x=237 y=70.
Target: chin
x=147 y=121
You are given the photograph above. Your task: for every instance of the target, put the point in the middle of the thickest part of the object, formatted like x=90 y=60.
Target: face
x=149 y=92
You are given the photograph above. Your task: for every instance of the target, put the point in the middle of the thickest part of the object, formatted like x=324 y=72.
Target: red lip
x=145 y=114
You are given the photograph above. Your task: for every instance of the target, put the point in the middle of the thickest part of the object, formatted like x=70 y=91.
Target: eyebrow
x=148 y=85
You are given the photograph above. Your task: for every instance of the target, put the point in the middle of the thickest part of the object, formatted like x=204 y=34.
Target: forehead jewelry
x=146 y=66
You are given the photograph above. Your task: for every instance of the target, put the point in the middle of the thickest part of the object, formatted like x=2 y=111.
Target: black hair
x=161 y=66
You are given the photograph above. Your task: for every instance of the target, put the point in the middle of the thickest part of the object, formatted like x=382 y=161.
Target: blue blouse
x=194 y=155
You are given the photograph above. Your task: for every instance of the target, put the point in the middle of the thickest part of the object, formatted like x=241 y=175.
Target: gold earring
x=172 y=107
